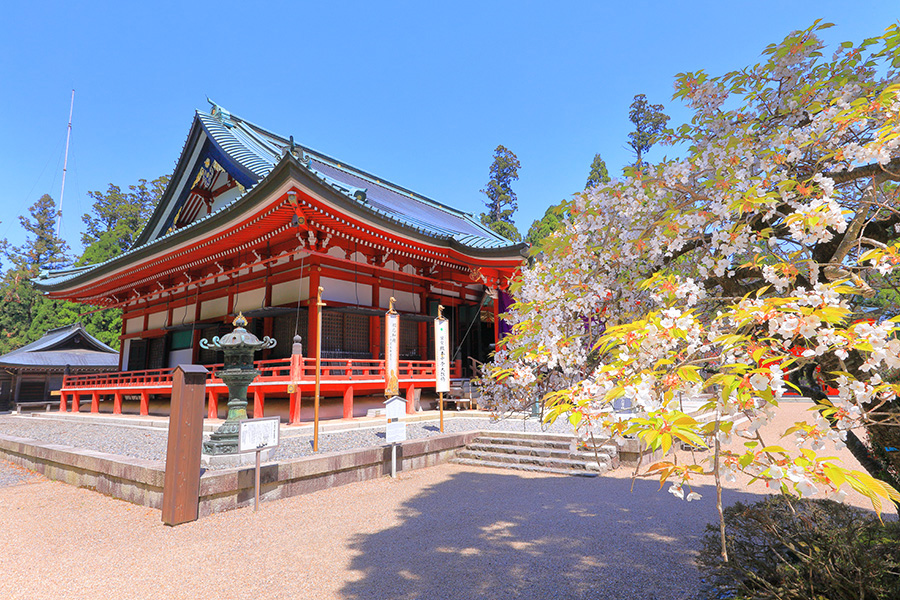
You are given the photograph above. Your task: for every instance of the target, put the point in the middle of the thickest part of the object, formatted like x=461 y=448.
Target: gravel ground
x=149 y=443
x=446 y=532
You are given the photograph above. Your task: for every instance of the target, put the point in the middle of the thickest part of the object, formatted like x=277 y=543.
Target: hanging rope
x=262 y=303
x=356 y=272
x=299 y=296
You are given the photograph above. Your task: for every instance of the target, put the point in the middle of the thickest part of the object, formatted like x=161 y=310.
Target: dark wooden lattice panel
x=332 y=333
x=210 y=356
x=356 y=335
x=283 y=328
x=156 y=353
x=32 y=391
x=137 y=355
x=409 y=340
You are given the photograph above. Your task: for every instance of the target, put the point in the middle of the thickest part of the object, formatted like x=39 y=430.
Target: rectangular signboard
x=441 y=355
x=395 y=431
x=396 y=428
x=392 y=354
x=258 y=434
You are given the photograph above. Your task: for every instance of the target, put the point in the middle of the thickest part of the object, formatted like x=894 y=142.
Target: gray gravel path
x=149 y=443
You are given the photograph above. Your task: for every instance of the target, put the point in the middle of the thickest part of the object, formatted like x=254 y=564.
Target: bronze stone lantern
x=239 y=346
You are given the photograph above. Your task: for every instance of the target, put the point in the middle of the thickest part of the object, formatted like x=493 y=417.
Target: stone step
x=559 y=443
x=525 y=467
x=542 y=452
x=519 y=459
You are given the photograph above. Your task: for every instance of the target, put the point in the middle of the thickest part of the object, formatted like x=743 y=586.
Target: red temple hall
x=252 y=222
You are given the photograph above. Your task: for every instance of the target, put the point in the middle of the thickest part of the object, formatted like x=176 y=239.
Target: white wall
x=337 y=290
x=180 y=357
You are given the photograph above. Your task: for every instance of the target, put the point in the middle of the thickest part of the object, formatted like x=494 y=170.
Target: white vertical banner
x=441 y=355
x=392 y=352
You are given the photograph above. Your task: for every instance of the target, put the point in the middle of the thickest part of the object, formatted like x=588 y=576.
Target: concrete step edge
x=541 y=452
x=520 y=467
x=534 y=460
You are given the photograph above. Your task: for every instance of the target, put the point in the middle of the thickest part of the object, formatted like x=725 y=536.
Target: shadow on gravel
x=486 y=535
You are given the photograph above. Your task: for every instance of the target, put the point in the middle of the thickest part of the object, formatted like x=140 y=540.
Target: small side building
x=30 y=373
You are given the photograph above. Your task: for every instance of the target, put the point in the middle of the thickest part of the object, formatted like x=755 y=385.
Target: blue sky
x=418 y=93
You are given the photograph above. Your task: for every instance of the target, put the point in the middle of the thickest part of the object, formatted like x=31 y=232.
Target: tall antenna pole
x=65 y=165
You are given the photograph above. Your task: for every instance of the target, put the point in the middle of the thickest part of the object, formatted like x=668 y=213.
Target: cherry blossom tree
x=728 y=275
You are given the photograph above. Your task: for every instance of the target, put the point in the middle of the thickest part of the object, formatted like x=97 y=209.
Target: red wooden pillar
x=423 y=340
x=95 y=402
x=295 y=406
x=410 y=400
x=423 y=327
x=259 y=401
x=312 y=323
x=145 y=403
x=121 y=341
x=76 y=401
x=497 y=317
x=63 y=406
x=375 y=324
x=212 y=410
x=294 y=388
x=117 y=403
x=348 y=402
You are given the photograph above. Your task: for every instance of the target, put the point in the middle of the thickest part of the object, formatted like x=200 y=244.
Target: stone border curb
x=141 y=481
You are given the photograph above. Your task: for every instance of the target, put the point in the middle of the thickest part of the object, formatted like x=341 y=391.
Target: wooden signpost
x=441 y=358
x=181 y=488
x=257 y=435
x=392 y=351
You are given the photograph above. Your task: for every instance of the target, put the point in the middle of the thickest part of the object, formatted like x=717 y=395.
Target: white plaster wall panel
x=156 y=320
x=249 y=300
x=337 y=252
x=126 y=352
x=214 y=308
x=180 y=357
x=183 y=314
x=287 y=292
x=404 y=301
x=134 y=325
x=337 y=290
x=443 y=292
x=224 y=199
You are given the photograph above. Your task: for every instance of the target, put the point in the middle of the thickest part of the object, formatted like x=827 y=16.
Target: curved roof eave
x=289 y=167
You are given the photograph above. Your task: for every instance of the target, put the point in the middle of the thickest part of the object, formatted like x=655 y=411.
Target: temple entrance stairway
x=539 y=452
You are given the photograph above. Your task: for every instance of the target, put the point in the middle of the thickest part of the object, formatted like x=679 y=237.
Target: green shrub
x=789 y=549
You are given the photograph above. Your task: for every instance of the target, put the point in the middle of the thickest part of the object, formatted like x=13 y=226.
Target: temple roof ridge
x=340 y=164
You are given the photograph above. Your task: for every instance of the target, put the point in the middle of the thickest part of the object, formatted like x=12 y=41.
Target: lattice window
x=32 y=391
x=156 y=353
x=409 y=340
x=283 y=327
x=332 y=334
x=356 y=335
x=345 y=335
x=211 y=356
x=137 y=355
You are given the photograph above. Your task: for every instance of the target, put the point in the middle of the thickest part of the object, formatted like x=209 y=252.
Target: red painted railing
x=347 y=371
